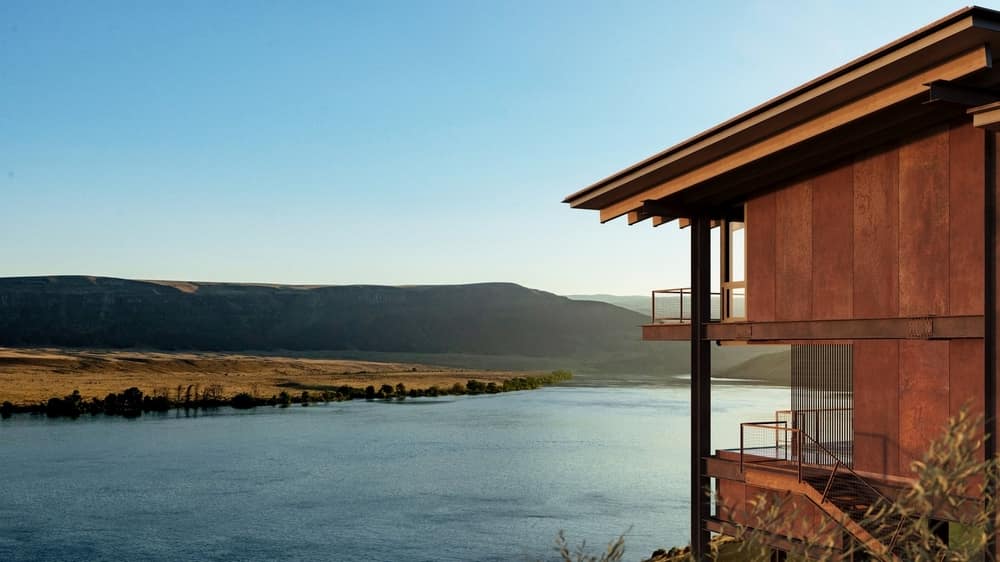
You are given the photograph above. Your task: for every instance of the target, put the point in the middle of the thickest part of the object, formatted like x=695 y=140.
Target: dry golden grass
x=29 y=376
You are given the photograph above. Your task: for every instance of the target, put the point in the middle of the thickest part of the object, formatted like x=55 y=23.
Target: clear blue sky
x=377 y=142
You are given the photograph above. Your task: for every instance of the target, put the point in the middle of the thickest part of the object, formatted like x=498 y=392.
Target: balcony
x=670 y=320
x=808 y=453
x=673 y=306
x=670 y=314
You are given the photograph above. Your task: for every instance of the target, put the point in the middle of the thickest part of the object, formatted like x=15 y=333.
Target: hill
x=483 y=320
x=637 y=303
x=481 y=326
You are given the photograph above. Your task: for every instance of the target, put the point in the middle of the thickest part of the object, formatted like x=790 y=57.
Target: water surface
x=457 y=478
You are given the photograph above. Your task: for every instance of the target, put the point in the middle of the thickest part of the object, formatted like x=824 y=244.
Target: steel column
x=990 y=328
x=701 y=383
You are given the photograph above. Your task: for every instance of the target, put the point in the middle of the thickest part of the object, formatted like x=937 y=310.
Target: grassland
x=30 y=376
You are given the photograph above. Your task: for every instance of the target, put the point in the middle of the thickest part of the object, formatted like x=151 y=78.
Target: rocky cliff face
x=491 y=318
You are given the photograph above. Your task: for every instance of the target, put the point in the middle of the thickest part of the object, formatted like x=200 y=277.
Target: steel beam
x=945 y=90
x=701 y=384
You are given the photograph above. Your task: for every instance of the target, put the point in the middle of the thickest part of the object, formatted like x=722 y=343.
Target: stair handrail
x=833 y=473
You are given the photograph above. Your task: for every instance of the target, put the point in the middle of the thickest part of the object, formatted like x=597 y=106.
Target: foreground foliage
x=951 y=484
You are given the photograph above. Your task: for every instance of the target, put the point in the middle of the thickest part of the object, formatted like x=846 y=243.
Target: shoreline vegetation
x=132 y=402
x=33 y=375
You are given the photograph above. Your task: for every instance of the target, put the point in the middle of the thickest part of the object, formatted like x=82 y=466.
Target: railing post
x=798 y=445
x=741 y=448
x=652 y=307
x=777 y=441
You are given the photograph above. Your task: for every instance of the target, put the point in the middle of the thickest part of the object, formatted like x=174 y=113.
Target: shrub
x=243 y=401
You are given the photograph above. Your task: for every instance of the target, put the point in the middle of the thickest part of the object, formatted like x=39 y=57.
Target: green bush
x=243 y=401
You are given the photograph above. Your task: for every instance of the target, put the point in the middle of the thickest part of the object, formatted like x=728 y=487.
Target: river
x=475 y=478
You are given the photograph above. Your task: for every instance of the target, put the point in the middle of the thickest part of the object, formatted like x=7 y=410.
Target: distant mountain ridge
x=636 y=303
x=484 y=325
x=485 y=318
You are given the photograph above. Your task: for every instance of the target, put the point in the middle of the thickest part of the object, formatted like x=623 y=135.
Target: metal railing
x=678 y=313
x=840 y=485
x=833 y=427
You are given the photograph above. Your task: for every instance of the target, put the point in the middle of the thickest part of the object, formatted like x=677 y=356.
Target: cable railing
x=675 y=306
x=773 y=441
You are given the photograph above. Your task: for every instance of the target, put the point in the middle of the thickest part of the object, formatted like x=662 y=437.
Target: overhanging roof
x=857 y=101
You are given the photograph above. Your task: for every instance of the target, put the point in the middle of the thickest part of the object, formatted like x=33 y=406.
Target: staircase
x=838 y=491
x=851 y=495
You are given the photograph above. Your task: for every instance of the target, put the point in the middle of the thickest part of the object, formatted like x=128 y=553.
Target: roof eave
x=596 y=195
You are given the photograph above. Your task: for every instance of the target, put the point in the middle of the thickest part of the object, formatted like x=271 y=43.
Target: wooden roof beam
x=963 y=65
x=986 y=116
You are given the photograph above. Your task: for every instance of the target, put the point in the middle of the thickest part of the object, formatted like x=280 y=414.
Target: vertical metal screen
x=823 y=396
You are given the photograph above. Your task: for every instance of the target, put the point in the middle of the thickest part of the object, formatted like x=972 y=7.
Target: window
x=733 y=271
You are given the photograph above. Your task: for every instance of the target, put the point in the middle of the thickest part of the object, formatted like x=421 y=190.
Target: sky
x=378 y=142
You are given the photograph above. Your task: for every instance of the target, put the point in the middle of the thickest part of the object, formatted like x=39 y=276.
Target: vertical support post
x=990 y=329
x=725 y=275
x=701 y=383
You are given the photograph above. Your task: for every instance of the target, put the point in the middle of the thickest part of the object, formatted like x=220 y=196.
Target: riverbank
x=133 y=402
x=31 y=376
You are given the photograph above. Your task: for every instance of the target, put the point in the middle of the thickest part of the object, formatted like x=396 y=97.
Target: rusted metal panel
x=965 y=383
x=965 y=222
x=723 y=468
x=793 y=253
x=876 y=235
x=666 y=332
x=923 y=225
x=729 y=331
x=921 y=328
x=868 y=328
x=923 y=388
x=958 y=327
x=833 y=244
x=876 y=406
x=760 y=262
x=731 y=500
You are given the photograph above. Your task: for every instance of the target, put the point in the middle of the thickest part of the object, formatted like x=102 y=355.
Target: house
x=857 y=222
